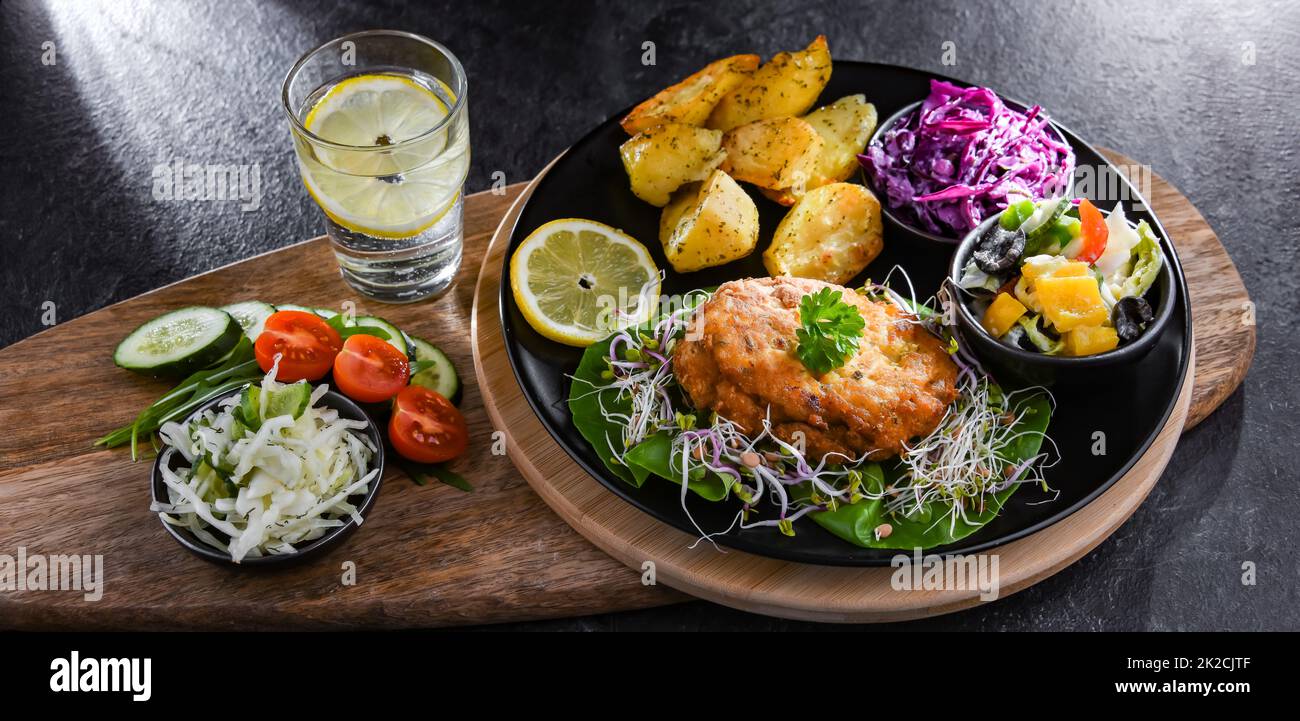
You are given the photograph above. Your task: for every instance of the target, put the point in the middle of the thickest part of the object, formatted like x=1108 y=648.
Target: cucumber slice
x=1038 y=230
x=423 y=349
x=1045 y=212
x=325 y=313
x=440 y=375
x=179 y=343
x=396 y=337
x=291 y=400
x=251 y=315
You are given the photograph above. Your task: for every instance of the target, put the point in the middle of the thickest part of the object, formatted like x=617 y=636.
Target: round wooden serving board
x=856 y=595
x=1223 y=329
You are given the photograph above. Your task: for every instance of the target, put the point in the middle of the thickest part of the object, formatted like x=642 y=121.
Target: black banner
x=161 y=670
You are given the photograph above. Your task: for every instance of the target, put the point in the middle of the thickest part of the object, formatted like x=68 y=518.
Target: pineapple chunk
x=1071 y=302
x=1090 y=340
x=1054 y=266
x=1002 y=314
x=1024 y=291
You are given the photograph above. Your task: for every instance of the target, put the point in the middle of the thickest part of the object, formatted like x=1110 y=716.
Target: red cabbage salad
x=954 y=161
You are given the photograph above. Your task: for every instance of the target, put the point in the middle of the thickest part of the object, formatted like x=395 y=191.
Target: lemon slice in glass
x=577 y=281
x=364 y=185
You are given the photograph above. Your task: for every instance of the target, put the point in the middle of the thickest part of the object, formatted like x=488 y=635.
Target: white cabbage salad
x=267 y=468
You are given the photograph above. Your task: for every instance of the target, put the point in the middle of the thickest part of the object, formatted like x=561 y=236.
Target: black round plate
x=1100 y=430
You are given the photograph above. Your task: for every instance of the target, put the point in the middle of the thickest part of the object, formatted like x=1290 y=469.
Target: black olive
x=1026 y=344
x=1129 y=317
x=998 y=249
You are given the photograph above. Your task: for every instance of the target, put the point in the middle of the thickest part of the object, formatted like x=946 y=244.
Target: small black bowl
x=1038 y=369
x=902 y=225
x=347 y=409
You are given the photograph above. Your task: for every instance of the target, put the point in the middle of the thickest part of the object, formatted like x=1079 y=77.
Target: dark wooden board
x=427 y=556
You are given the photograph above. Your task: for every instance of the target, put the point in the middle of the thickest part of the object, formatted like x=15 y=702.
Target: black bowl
x=906 y=227
x=347 y=409
x=1037 y=369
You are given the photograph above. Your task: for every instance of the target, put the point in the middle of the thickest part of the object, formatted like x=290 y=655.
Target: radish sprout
x=962 y=463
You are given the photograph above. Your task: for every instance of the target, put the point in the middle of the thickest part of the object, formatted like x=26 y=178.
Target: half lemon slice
x=367 y=188
x=577 y=281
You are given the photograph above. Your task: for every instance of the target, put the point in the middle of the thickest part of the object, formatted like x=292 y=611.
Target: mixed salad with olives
x=1060 y=277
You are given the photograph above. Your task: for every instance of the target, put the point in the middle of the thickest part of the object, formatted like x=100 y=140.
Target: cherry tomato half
x=306 y=343
x=370 y=370
x=1094 y=232
x=426 y=427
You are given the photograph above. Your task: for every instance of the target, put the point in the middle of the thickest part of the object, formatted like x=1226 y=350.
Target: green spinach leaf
x=654 y=456
x=587 y=395
x=930 y=527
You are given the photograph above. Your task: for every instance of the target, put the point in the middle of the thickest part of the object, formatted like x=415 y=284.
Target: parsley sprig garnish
x=829 y=331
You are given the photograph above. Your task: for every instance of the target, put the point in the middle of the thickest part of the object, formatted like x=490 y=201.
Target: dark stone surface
x=1167 y=83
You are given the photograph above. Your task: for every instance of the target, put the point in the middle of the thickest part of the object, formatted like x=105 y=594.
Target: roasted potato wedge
x=708 y=224
x=778 y=153
x=666 y=157
x=785 y=196
x=785 y=86
x=845 y=126
x=690 y=101
x=831 y=234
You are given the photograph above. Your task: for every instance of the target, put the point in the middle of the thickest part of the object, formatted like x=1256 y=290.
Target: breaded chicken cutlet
x=739 y=360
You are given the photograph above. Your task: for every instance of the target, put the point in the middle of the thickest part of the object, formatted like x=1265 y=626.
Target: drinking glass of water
x=380 y=129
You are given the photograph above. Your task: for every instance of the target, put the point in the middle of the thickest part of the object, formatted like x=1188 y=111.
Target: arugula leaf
x=421 y=365
x=238 y=368
x=422 y=473
x=379 y=333
x=829 y=332
x=346 y=331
